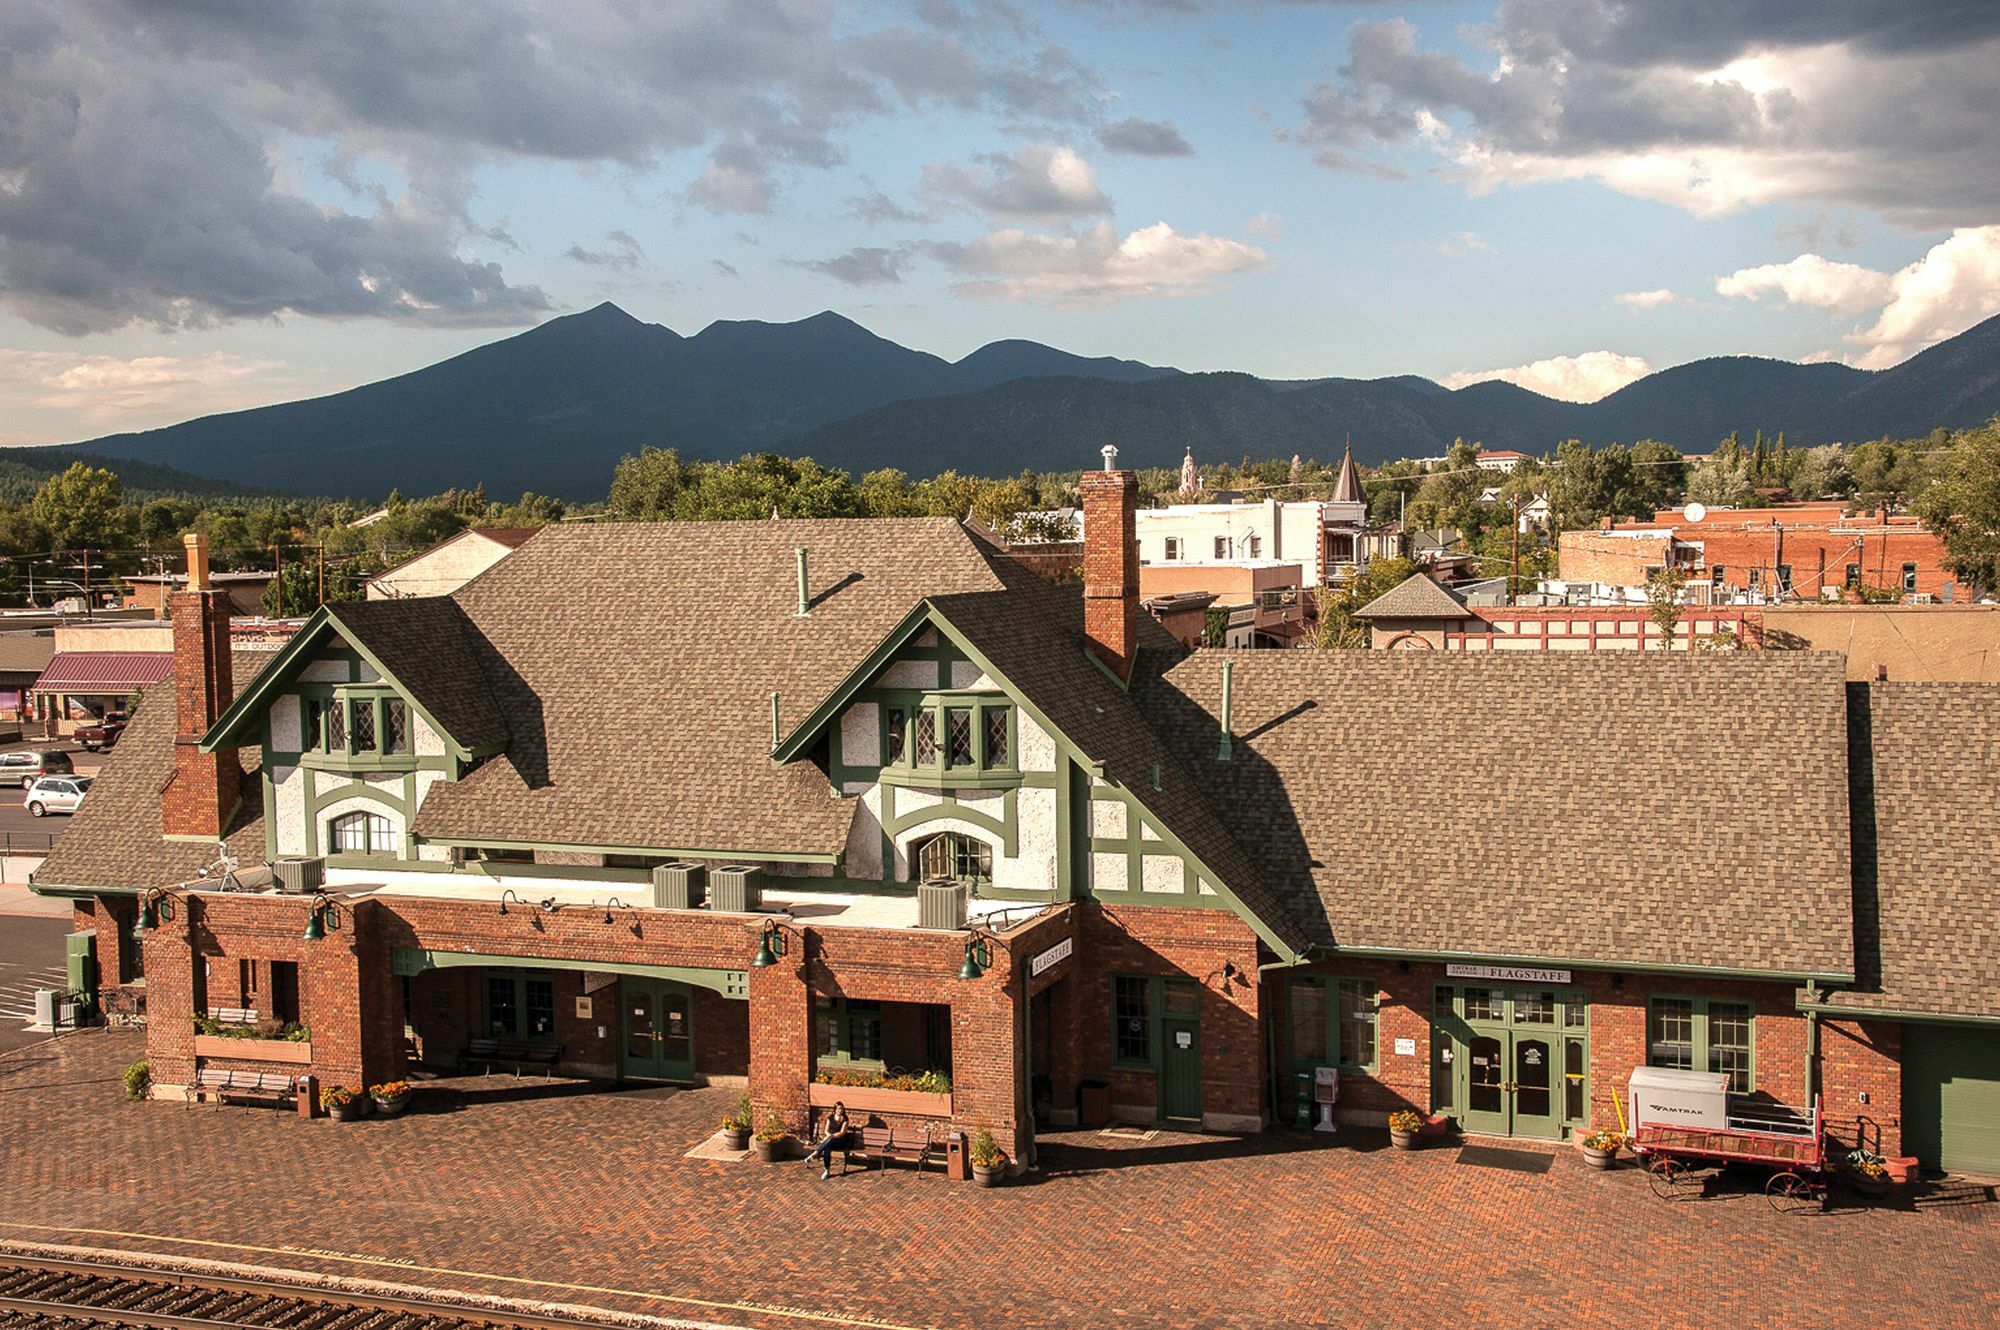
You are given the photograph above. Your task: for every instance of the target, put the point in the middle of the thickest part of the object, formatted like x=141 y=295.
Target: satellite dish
x=1694 y=512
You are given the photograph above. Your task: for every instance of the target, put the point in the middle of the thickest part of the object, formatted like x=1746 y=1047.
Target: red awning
x=104 y=671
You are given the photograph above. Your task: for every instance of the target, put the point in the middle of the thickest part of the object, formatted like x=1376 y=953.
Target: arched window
x=360 y=833
x=951 y=855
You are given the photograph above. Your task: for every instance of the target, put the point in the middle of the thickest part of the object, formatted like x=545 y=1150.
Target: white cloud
x=1095 y=267
x=1462 y=244
x=1653 y=299
x=1583 y=378
x=1042 y=185
x=56 y=392
x=1843 y=288
x=1949 y=289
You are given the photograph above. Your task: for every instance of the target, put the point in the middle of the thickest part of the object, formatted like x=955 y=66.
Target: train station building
x=863 y=809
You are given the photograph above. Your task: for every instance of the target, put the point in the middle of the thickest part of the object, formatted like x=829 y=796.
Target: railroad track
x=55 y=1293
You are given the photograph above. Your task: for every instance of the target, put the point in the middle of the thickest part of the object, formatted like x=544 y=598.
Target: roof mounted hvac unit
x=942 y=903
x=736 y=889
x=299 y=876
x=681 y=885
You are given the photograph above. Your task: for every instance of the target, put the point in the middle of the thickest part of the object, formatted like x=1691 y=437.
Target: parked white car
x=56 y=794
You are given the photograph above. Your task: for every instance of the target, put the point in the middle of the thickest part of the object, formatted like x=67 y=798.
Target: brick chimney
x=1111 y=564
x=205 y=787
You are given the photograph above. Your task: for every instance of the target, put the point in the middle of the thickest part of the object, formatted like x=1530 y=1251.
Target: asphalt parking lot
x=21 y=832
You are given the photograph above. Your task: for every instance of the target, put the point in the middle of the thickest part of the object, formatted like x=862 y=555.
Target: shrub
x=774 y=1128
x=336 y=1096
x=139 y=1079
x=986 y=1152
x=738 y=1118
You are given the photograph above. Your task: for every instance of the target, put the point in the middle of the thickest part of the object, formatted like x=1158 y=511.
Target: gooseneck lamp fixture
x=771 y=944
x=154 y=906
x=316 y=918
x=978 y=956
x=508 y=895
x=613 y=903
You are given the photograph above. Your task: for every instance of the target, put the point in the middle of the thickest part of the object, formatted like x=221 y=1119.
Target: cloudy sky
x=208 y=206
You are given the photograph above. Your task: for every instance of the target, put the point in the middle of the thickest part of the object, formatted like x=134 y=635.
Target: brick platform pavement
x=532 y=1188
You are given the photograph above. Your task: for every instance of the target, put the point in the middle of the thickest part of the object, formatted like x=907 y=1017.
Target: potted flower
x=1600 y=1148
x=774 y=1138
x=989 y=1163
x=341 y=1104
x=391 y=1097
x=1403 y=1128
x=736 y=1124
x=1870 y=1176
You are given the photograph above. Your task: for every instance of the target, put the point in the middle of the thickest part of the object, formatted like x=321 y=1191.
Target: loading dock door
x=1951 y=1096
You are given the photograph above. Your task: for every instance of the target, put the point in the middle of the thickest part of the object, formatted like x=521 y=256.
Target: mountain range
x=554 y=408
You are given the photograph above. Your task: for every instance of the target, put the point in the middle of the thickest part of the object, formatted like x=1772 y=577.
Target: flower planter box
x=860 y=1099
x=253 y=1050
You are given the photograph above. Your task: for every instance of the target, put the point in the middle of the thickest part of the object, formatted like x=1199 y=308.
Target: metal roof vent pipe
x=1222 y=750
x=805 y=602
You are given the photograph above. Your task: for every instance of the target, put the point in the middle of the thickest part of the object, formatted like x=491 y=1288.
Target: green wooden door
x=1532 y=1087
x=1485 y=1083
x=658 y=1030
x=1180 y=1065
x=1951 y=1097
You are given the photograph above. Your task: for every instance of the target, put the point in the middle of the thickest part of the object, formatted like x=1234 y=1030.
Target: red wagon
x=1684 y=1122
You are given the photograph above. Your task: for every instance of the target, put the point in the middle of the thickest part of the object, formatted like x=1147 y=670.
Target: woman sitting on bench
x=836 y=1138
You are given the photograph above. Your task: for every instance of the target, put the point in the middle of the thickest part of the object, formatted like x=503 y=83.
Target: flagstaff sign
x=1507 y=974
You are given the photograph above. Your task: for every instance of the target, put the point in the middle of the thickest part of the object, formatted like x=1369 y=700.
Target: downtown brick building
x=830 y=801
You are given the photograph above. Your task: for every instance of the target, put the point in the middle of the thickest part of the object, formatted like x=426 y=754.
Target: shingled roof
x=1415 y=597
x=632 y=665
x=426 y=644
x=113 y=843
x=1677 y=811
x=1925 y=769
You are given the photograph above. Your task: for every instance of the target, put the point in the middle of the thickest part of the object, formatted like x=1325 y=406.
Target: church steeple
x=1347 y=486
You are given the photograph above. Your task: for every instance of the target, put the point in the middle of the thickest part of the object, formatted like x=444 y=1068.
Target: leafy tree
x=1721 y=480
x=1963 y=505
x=1663 y=599
x=1659 y=475
x=1390 y=488
x=1889 y=474
x=1450 y=495
x=533 y=510
x=1821 y=473
x=1336 y=628
x=948 y=494
x=647 y=488
x=887 y=493
x=83 y=508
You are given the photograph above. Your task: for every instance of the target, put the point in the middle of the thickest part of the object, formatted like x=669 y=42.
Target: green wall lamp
x=317 y=918
x=978 y=956
x=771 y=944
x=154 y=906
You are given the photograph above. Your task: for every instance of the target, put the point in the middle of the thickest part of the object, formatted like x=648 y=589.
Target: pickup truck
x=96 y=738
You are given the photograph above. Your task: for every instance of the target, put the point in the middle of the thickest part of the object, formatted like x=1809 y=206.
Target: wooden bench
x=233 y=1015
x=882 y=1144
x=229 y=1086
x=515 y=1053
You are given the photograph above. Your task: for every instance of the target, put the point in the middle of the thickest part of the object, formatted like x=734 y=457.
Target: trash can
x=45 y=1008
x=1093 y=1104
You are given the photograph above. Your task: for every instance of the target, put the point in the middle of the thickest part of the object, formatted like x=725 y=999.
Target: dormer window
x=353 y=725
x=949 y=738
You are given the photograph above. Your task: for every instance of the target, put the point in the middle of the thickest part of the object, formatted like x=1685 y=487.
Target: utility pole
x=1514 y=582
x=86 y=585
x=278 y=577
x=321 y=547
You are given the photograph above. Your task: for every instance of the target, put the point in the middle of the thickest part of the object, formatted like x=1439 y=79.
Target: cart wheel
x=1790 y=1194
x=1671 y=1179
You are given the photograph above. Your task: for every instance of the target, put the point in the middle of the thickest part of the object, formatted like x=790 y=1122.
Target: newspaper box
x=1326 y=1090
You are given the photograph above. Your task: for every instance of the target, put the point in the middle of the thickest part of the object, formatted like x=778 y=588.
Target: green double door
x=1511 y=1062
x=658 y=1029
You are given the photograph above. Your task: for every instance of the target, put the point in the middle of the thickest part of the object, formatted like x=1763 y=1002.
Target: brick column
x=1111 y=566
x=781 y=1034
x=174 y=984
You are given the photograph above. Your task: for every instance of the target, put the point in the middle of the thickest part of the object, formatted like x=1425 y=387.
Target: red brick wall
x=1880 y=553
x=1857 y=1058
x=1111 y=566
x=1586 y=556
x=206 y=786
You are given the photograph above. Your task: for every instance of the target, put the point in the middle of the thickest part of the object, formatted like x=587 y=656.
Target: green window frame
x=1135 y=1020
x=365 y=726
x=520 y=1005
x=848 y=1032
x=949 y=738
x=1334 y=1022
x=362 y=832
x=1713 y=1034
x=954 y=855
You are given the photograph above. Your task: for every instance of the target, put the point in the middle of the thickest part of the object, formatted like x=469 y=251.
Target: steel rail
x=107 y=1291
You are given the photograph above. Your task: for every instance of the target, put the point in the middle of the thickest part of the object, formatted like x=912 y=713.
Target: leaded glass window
x=996 y=737
x=927 y=739
x=310 y=720
x=336 y=726
x=958 y=736
x=396 y=726
x=364 y=725
x=894 y=719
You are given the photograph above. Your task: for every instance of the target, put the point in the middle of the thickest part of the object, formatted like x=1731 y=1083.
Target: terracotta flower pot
x=1403 y=1140
x=989 y=1175
x=736 y=1138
